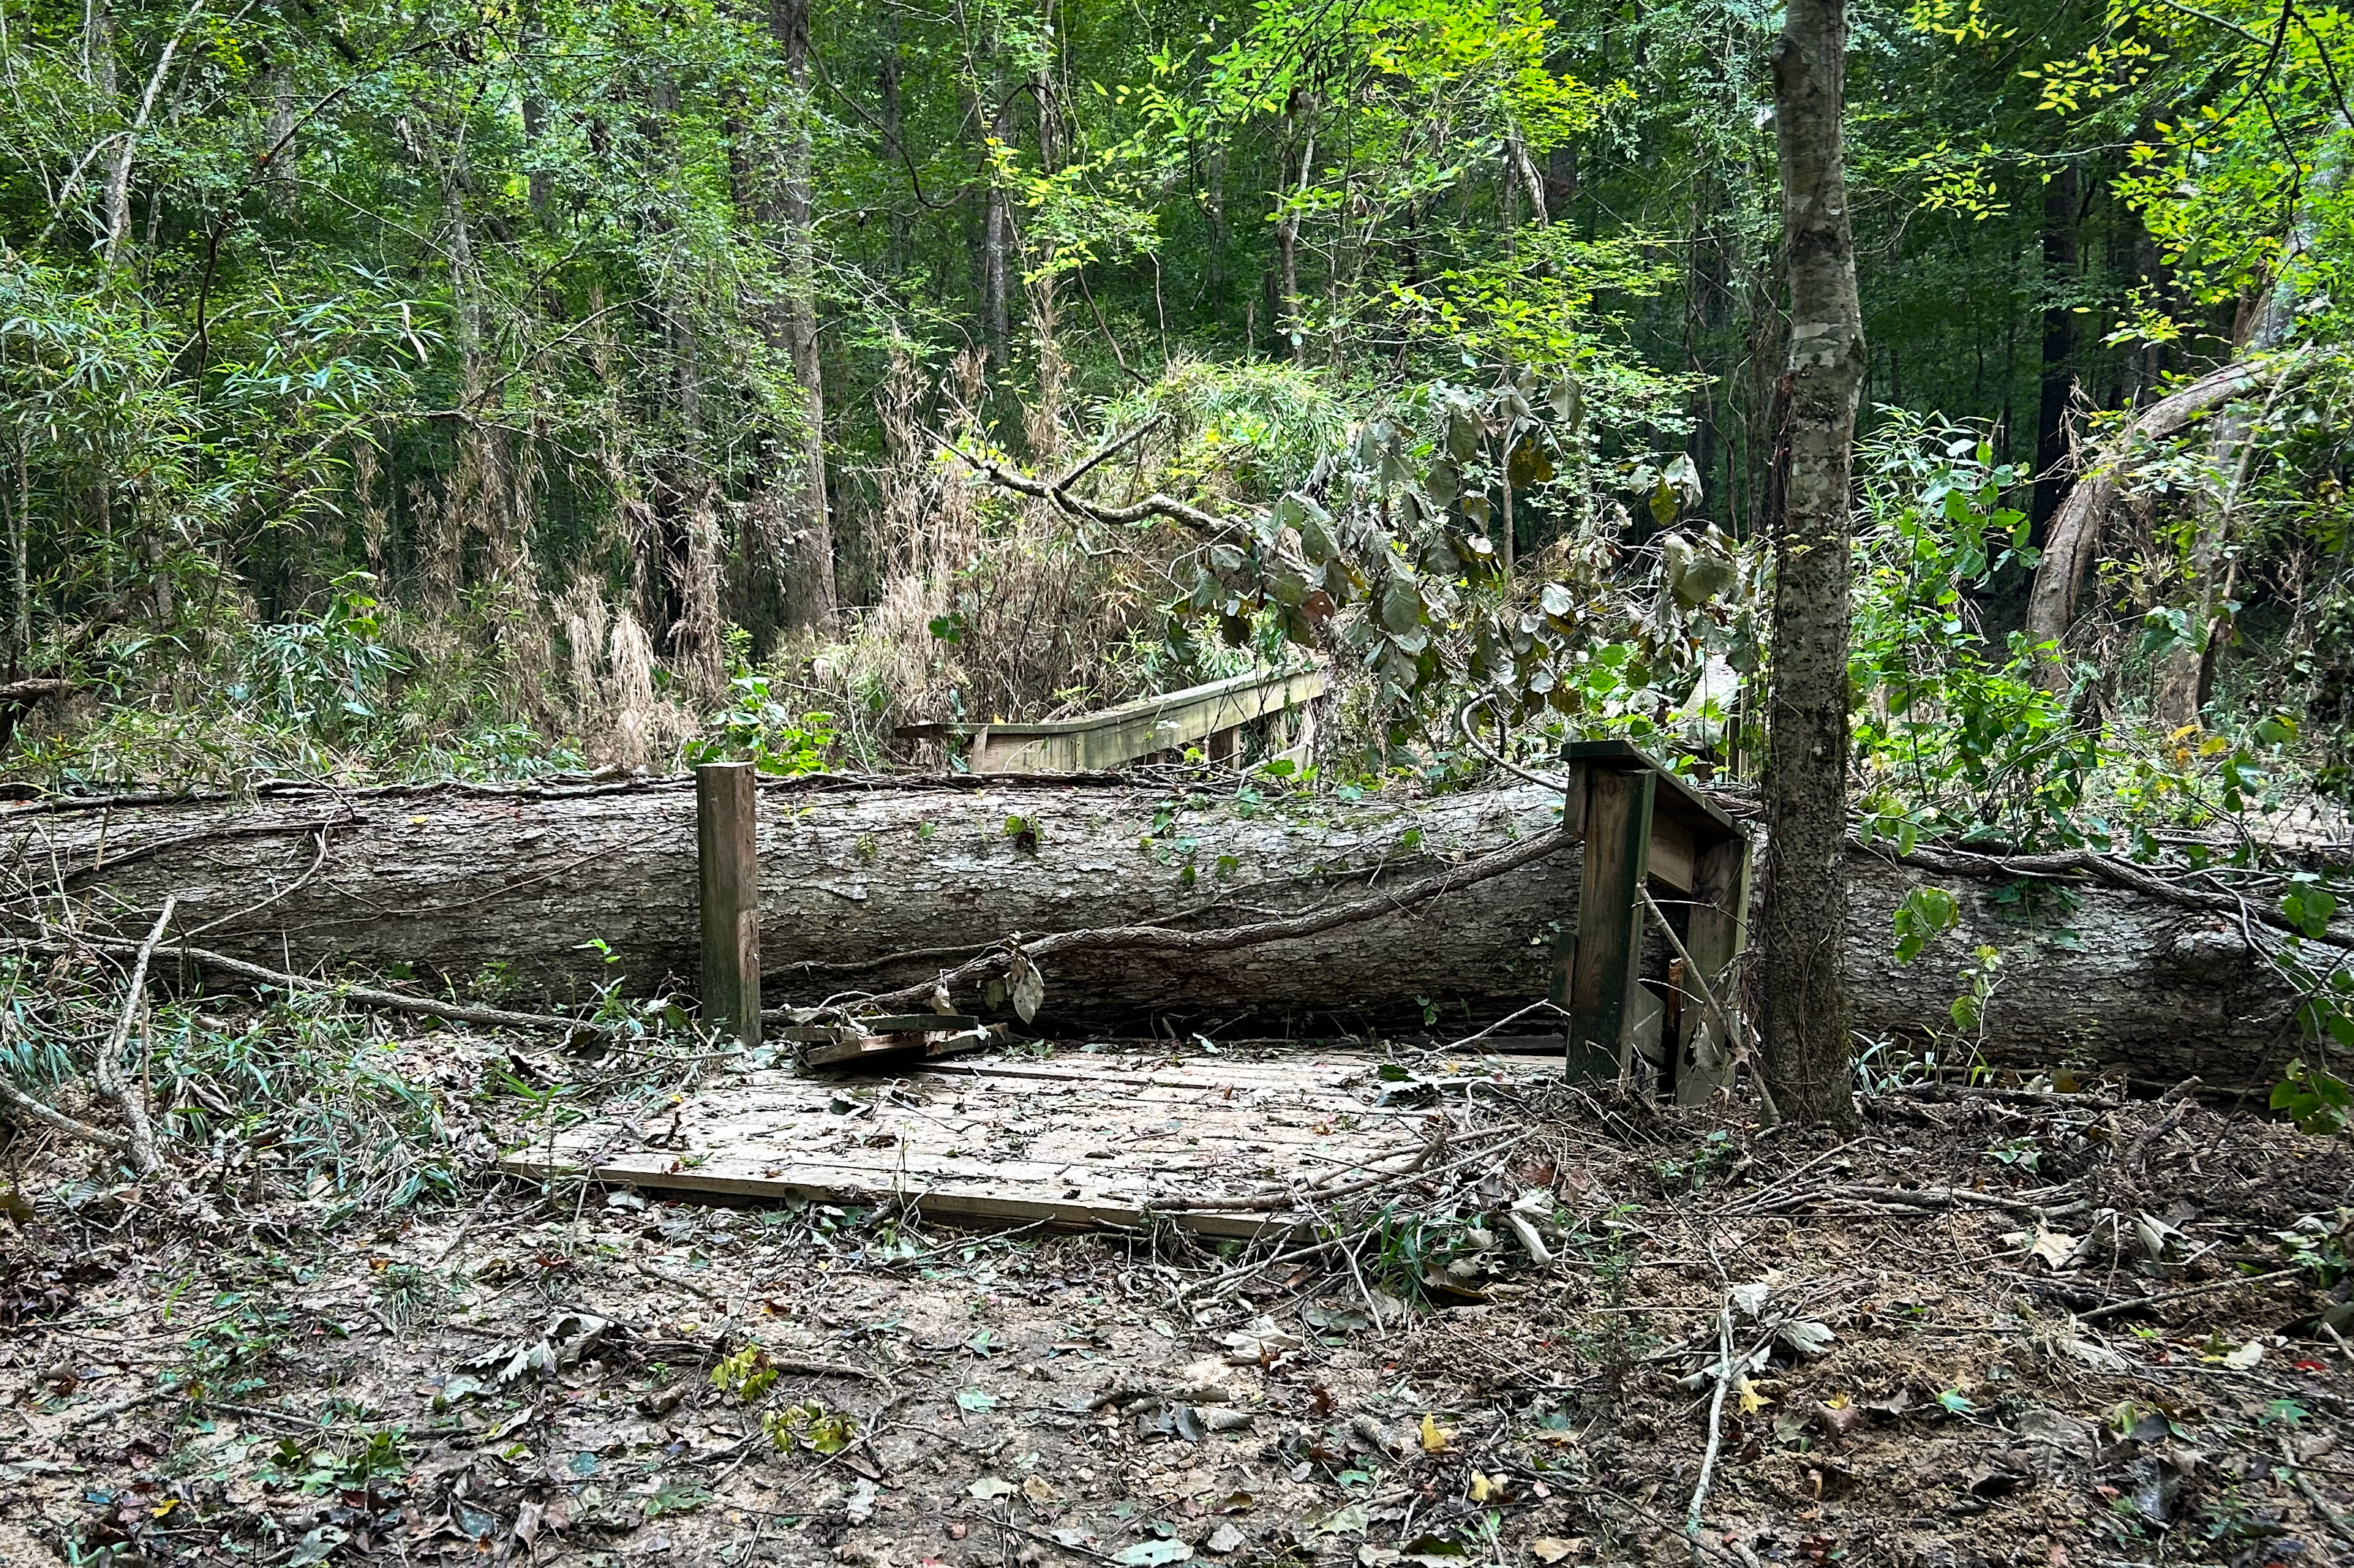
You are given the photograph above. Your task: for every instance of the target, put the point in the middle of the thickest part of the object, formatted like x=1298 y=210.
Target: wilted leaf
x=975 y=1399
x=1029 y=988
x=1807 y=1338
x=1706 y=577
x=1349 y=1520
x=1551 y=1549
x=1752 y=1399
x=991 y=1488
x=1036 y=1488
x=1436 y=1439
x=1152 y=1553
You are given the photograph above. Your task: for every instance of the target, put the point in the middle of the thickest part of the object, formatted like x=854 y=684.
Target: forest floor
x=1935 y=1358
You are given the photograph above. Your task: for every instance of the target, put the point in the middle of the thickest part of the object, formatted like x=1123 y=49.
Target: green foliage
x=1954 y=744
x=2322 y=1243
x=744 y=1375
x=2317 y=1101
x=755 y=728
x=1922 y=915
x=809 y=1425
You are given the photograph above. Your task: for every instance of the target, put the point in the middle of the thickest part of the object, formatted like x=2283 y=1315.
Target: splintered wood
x=1218 y=1146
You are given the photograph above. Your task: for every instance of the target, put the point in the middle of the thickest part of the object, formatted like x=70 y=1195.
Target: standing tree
x=1806 y=995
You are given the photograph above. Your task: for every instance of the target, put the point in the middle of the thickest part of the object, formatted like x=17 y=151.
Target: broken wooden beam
x=726 y=818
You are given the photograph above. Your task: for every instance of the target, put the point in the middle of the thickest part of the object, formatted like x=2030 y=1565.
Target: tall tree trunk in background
x=540 y=188
x=1287 y=230
x=996 y=240
x=2063 y=204
x=1806 y=1011
x=887 y=92
x=2186 y=675
x=810 y=581
x=278 y=132
x=20 y=548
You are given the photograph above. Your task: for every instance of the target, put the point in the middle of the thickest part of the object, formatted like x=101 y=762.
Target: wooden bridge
x=1212 y=715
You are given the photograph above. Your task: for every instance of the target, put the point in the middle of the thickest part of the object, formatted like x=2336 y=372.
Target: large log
x=545 y=896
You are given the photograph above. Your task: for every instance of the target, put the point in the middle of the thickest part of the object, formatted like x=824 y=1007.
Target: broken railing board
x=1646 y=830
x=727 y=839
x=1213 y=714
x=838 y=1053
x=1092 y=1140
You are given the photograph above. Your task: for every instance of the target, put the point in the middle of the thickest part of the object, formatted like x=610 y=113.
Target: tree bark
x=501 y=894
x=809 y=579
x=996 y=240
x=2076 y=532
x=2062 y=203
x=1805 y=1015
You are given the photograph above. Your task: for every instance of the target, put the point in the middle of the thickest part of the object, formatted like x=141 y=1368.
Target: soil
x=1923 y=1370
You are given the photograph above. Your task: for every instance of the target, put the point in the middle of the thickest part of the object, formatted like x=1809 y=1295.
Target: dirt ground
x=1925 y=1346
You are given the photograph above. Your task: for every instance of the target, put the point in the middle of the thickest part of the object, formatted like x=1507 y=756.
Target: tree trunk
x=809 y=580
x=1287 y=231
x=996 y=240
x=2062 y=203
x=2076 y=532
x=1806 y=1011
x=501 y=893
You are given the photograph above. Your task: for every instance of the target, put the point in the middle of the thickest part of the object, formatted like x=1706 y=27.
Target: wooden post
x=1720 y=929
x=1605 y=965
x=726 y=817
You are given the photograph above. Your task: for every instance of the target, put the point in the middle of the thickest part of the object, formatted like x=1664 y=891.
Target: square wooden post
x=1720 y=930
x=726 y=853
x=1605 y=964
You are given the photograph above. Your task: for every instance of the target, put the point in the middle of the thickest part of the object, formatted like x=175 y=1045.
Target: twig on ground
x=2328 y=1516
x=2163 y=1297
x=130 y=1098
x=1512 y=1017
x=1715 y=1426
x=1294 y=1197
x=674 y=1281
x=1044 y=1539
x=391 y=1001
x=25 y=1104
x=113 y=1408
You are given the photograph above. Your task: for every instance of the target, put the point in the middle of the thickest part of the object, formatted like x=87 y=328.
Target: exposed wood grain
x=1119 y=1141
x=727 y=857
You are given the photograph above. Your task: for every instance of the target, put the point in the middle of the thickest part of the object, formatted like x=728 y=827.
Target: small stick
x=139 y=1132
x=2112 y=1308
x=1715 y=1427
x=426 y=1007
x=2329 y=1516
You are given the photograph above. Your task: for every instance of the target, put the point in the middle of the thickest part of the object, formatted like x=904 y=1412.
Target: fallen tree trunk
x=867 y=887
x=2073 y=537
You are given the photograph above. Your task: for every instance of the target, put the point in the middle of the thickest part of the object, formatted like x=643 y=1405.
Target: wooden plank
x=1604 y=966
x=919 y=1023
x=1677 y=797
x=726 y=820
x=985 y=1203
x=919 y=1047
x=1720 y=930
x=1121 y=734
x=1093 y=1144
x=1675 y=854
